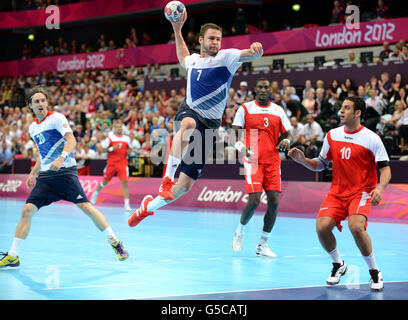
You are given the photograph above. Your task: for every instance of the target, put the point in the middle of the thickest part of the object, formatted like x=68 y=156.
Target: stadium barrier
x=225 y=194
x=298 y=40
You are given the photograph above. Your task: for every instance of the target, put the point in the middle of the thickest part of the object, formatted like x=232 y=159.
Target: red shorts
x=120 y=170
x=260 y=176
x=340 y=209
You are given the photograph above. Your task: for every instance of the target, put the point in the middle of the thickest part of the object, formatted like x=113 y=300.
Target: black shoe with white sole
x=336 y=273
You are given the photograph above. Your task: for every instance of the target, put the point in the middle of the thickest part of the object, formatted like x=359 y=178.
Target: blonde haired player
x=355 y=152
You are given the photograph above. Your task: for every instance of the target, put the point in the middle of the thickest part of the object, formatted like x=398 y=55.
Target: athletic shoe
x=336 y=273
x=237 y=242
x=8 y=261
x=94 y=197
x=120 y=250
x=377 y=283
x=166 y=189
x=264 y=251
x=127 y=208
x=138 y=215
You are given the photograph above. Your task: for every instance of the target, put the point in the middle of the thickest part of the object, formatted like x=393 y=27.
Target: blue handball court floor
x=185 y=254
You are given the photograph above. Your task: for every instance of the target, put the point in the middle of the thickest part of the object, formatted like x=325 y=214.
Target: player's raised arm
x=181 y=47
x=255 y=51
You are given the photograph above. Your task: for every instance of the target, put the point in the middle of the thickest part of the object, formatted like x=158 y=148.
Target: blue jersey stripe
x=205 y=81
x=210 y=103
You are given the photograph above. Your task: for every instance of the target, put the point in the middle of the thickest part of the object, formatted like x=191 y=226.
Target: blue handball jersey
x=48 y=135
x=208 y=81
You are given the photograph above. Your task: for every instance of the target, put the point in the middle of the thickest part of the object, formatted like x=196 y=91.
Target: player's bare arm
x=255 y=51
x=181 y=47
x=69 y=147
x=312 y=164
x=385 y=177
x=240 y=144
x=31 y=177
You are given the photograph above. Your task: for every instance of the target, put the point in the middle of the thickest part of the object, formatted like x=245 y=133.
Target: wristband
x=110 y=149
x=239 y=146
x=64 y=154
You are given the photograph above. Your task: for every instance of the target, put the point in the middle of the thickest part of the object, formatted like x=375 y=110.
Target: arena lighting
x=31 y=37
x=296 y=7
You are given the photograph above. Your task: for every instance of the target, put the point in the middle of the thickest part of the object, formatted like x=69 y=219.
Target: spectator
x=352 y=57
x=297 y=132
x=172 y=38
x=361 y=92
x=242 y=93
x=346 y=88
x=294 y=108
x=313 y=132
x=26 y=52
x=384 y=84
x=337 y=13
x=239 y=25
x=334 y=92
x=389 y=121
x=308 y=86
x=48 y=48
x=375 y=108
x=385 y=54
x=133 y=36
x=6 y=158
x=291 y=91
x=323 y=107
x=191 y=42
x=146 y=39
x=403 y=53
x=309 y=102
x=381 y=11
x=103 y=46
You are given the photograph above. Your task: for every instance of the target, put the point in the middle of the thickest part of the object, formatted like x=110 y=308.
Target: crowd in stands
x=93 y=100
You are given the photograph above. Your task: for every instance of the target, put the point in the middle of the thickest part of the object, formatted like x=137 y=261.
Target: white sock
x=155 y=204
x=370 y=260
x=335 y=255
x=15 y=247
x=110 y=235
x=240 y=228
x=171 y=168
x=127 y=202
x=264 y=237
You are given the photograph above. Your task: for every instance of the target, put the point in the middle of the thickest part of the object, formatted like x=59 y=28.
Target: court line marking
x=272 y=289
x=98 y=286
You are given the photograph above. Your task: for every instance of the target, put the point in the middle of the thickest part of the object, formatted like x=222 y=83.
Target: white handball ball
x=174 y=10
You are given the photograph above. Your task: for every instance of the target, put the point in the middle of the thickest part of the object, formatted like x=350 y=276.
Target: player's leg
x=11 y=258
x=269 y=221
x=123 y=174
x=102 y=224
x=150 y=204
x=254 y=199
x=324 y=229
x=177 y=151
x=103 y=183
x=358 y=225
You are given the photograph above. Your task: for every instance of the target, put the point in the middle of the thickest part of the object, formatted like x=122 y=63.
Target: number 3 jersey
x=263 y=125
x=354 y=156
x=48 y=135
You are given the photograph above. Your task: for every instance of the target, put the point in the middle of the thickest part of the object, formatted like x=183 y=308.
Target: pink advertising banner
x=79 y=11
x=321 y=38
x=296 y=197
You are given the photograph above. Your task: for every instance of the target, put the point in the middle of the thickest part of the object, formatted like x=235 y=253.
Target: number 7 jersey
x=354 y=156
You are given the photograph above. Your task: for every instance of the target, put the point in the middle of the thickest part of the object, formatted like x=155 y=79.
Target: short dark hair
x=358 y=104
x=34 y=91
x=207 y=26
x=262 y=79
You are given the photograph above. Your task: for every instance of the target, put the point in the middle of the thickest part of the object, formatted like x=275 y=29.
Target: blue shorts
x=49 y=189
x=193 y=169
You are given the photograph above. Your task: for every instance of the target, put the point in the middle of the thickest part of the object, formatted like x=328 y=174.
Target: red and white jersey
x=119 y=155
x=263 y=125
x=354 y=156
